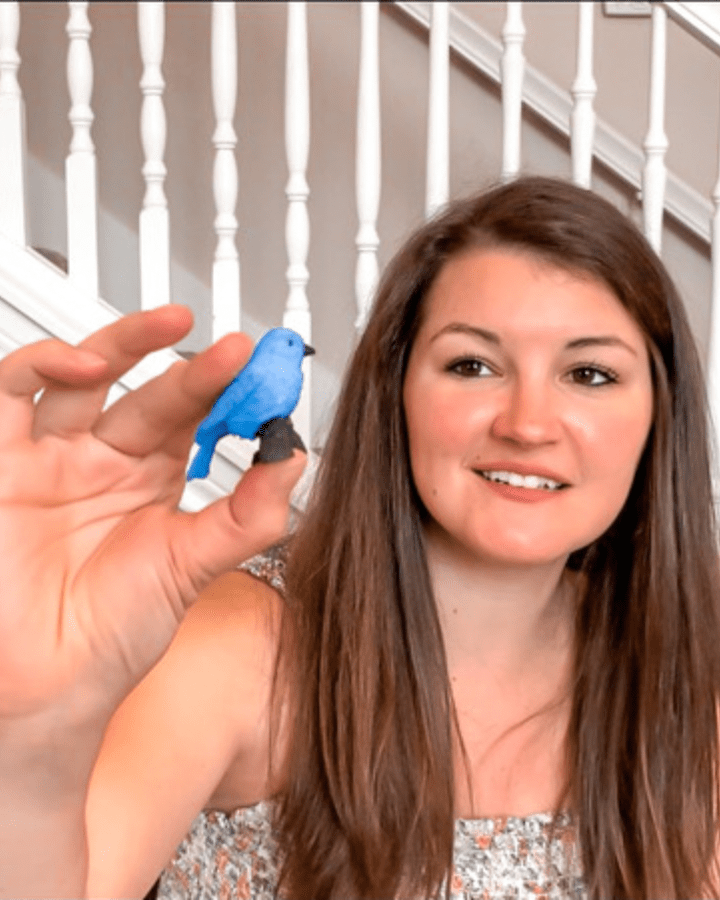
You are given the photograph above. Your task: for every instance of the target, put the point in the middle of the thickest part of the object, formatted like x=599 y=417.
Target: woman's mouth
x=514 y=479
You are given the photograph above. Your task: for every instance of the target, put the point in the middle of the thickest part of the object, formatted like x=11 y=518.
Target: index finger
x=37 y=367
x=122 y=343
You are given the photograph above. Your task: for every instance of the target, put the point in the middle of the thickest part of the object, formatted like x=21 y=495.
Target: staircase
x=261 y=161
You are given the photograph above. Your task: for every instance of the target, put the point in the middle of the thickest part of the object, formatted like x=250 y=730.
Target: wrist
x=44 y=776
x=47 y=759
x=43 y=846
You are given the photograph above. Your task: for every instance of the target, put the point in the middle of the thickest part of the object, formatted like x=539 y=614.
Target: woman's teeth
x=533 y=482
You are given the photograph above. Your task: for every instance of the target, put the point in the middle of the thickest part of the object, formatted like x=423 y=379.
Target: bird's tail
x=200 y=466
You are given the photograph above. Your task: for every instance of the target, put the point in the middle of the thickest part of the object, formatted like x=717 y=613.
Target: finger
x=164 y=412
x=45 y=365
x=122 y=344
x=237 y=527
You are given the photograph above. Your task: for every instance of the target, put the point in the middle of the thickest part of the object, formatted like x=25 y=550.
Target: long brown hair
x=368 y=810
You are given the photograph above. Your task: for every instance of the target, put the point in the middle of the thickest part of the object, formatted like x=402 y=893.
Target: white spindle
x=438 y=138
x=80 y=168
x=713 y=359
x=12 y=128
x=513 y=69
x=367 y=162
x=583 y=91
x=656 y=143
x=226 y=264
x=154 y=224
x=297 y=223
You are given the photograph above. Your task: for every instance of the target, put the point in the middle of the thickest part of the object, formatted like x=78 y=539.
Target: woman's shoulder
x=232 y=635
x=227 y=643
x=255 y=593
x=200 y=715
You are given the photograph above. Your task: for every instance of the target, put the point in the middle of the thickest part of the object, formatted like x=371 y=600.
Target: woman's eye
x=593 y=376
x=470 y=368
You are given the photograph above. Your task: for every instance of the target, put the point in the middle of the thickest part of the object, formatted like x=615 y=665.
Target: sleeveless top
x=234 y=856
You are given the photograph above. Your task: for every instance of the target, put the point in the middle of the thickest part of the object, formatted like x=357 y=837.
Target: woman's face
x=528 y=400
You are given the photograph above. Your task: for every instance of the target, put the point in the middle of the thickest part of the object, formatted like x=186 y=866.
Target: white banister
x=80 y=165
x=154 y=224
x=367 y=162
x=297 y=223
x=438 y=137
x=583 y=91
x=12 y=127
x=656 y=143
x=512 y=69
x=226 y=264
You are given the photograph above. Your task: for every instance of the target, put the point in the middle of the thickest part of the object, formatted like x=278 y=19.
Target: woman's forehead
x=508 y=288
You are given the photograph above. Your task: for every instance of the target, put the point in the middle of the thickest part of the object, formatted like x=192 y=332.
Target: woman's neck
x=504 y=619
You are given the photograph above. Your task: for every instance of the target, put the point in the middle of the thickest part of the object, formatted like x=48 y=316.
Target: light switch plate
x=626 y=8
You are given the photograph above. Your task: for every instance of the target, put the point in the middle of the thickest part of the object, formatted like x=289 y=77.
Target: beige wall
x=623 y=46
x=622 y=66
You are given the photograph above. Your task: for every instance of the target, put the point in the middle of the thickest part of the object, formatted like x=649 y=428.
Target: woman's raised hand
x=98 y=564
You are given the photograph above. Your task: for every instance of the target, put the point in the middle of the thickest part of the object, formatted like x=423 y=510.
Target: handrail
x=554 y=105
x=702 y=20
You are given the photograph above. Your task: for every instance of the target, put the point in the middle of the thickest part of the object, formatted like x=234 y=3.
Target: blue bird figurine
x=258 y=402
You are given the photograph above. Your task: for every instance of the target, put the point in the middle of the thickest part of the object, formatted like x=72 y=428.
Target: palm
x=68 y=538
x=99 y=566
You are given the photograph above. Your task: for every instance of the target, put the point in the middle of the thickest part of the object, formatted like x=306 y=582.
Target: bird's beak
x=309 y=351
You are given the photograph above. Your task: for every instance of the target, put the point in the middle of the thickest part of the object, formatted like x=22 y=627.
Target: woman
x=502 y=603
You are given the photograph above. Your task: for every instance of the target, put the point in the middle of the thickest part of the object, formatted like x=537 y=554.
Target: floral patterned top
x=234 y=856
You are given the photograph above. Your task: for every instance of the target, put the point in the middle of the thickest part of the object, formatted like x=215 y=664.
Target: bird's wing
x=257 y=407
x=274 y=395
x=234 y=396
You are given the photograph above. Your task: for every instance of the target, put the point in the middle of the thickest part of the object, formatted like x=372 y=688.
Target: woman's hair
x=369 y=806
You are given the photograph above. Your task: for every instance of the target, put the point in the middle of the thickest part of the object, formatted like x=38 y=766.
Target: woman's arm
x=201 y=712
x=99 y=565
x=43 y=782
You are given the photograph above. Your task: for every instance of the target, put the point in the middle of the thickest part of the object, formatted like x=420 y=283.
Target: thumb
x=236 y=527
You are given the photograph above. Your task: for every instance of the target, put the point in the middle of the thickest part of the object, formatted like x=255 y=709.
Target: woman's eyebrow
x=472 y=330
x=604 y=340
x=601 y=340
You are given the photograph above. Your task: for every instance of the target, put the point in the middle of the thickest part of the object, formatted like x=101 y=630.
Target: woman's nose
x=528 y=413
